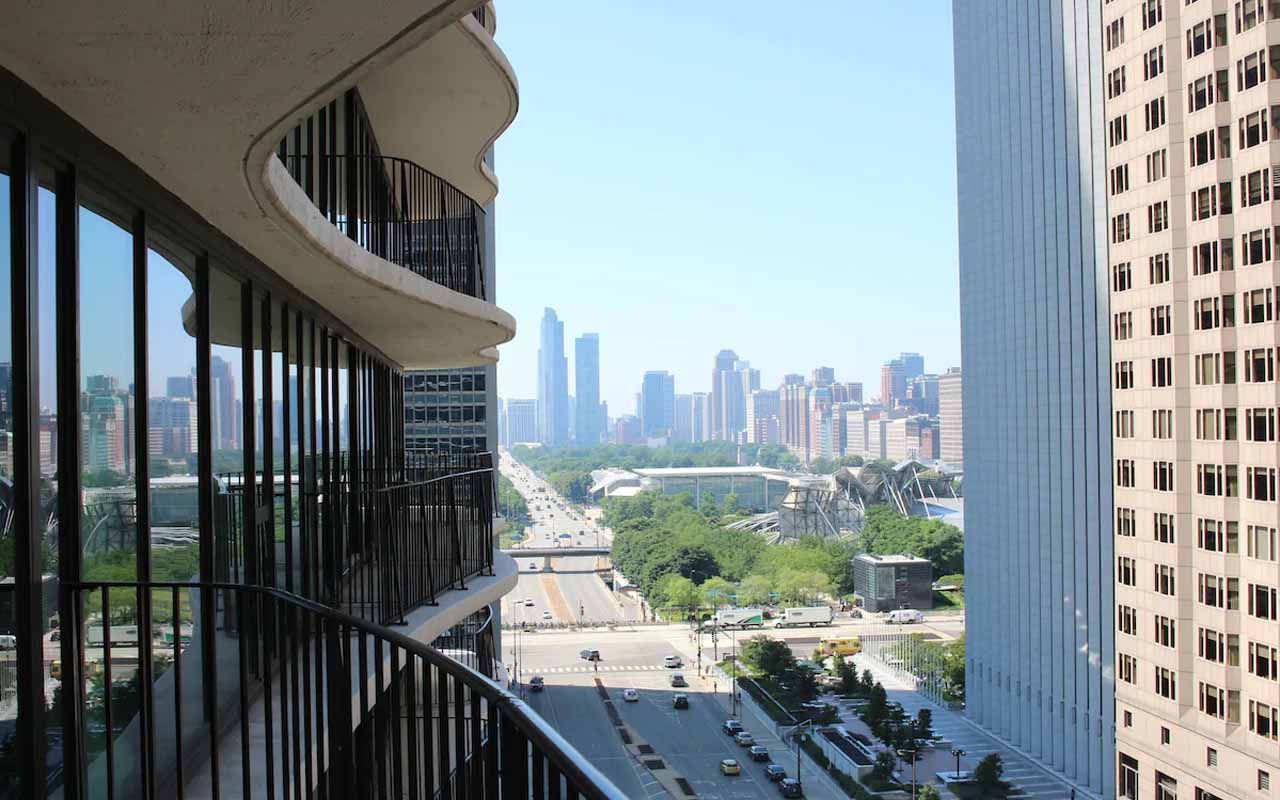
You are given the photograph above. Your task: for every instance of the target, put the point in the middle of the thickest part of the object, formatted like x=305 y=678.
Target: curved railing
x=471 y=642
x=391 y=207
x=298 y=700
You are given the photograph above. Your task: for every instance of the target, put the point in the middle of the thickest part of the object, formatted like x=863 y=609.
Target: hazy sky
x=683 y=178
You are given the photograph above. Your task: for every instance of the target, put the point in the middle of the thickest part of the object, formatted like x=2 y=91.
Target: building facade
x=1038 y=496
x=657 y=403
x=699 y=417
x=553 y=382
x=886 y=583
x=1191 y=180
x=589 y=425
x=297 y=236
x=951 y=419
x=522 y=421
x=727 y=398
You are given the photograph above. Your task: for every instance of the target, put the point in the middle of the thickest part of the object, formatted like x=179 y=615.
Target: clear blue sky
x=774 y=179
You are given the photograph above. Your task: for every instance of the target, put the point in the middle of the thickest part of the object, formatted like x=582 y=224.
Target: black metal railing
x=372 y=539
x=391 y=207
x=305 y=702
x=482 y=15
x=471 y=642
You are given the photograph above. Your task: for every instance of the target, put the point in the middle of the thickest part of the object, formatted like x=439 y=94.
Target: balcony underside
x=198 y=99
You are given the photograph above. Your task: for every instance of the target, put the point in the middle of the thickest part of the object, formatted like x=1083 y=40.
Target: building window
x=1118 y=130
x=1210 y=760
x=1255 y=247
x=1124 y=375
x=1215 y=424
x=1115 y=83
x=1259 y=365
x=1162 y=423
x=1253 y=129
x=1199 y=38
x=1128 y=668
x=1128 y=619
x=1260 y=424
x=1120 y=230
x=1264 y=781
x=1161 y=320
x=1261 y=542
x=1166 y=631
x=1262 y=601
x=1255 y=188
x=1120 y=179
x=1127 y=571
x=1249 y=13
x=1209 y=257
x=1251 y=70
x=1213 y=701
x=1262 y=661
x=1153 y=63
x=1157 y=165
x=1128 y=719
x=1166 y=683
x=1262 y=721
x=1154 y=113
x=1163 y=527
x=1162 y=372
x=1126 y=522
x=1152 y=13
x=1115 y=34
x=1164 y=580
x=1200 y=148
x=1166 y=787
x=1209 y=313
x=1121 y=277
x=1210 y=590
x=1123 y=322
x=1127 y=786
x=1158 y=267
x=1124 y=424
x=1256 y=306
x=1162 y=476
x=1260 y=483
x=1211 y=646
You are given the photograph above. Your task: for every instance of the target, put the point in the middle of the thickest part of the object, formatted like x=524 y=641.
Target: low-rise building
x=885 y=583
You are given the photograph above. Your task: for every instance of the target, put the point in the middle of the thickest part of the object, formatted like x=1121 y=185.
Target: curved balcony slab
x=198 y=98
x=459 y=73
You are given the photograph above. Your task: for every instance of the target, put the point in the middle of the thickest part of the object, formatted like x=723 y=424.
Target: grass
x=946 y=600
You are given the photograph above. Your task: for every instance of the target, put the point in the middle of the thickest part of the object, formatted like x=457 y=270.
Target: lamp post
x=957 y=752
x=797 y=733
x=913 y=752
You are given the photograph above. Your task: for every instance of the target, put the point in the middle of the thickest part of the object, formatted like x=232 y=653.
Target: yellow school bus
x=845 y=646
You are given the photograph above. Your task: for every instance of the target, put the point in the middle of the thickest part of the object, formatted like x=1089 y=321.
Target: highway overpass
x=548 y=553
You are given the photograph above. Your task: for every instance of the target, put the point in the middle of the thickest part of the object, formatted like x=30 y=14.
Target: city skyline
x=666 y=284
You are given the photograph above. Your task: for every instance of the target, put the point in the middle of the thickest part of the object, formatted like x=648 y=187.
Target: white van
x=905 y=616
x=8 y=642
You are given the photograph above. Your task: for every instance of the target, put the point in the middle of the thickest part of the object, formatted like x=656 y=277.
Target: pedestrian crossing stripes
x=602 y=668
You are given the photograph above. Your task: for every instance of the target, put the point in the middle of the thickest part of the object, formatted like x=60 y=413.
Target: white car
x=546 y=615
x=630 y=695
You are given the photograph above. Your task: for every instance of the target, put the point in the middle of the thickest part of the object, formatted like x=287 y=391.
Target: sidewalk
x=1033 y=780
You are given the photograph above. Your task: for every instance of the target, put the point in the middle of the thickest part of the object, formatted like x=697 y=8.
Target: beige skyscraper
x=1193 y=289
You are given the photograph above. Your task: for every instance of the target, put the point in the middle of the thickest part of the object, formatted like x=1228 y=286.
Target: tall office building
x=1191 y=186
x=727 y=398
x=657 y=404
x=1033 y=277
x=553 y=382
x=699 y=417
x=682 y=427
x=951 y=419
x=912 y=365
x=589 y=425
x=521 y=422
x=893 y=383
x=823 y=376
x=793 y=417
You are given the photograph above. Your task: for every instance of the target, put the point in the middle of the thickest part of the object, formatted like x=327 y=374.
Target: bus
x=844 y=646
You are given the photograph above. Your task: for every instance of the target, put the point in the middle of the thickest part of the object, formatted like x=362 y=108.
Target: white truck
x=738 y=618
x=811 y=616
x=905 y=616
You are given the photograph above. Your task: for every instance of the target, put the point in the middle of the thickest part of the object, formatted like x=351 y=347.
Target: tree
x=849 y=683
x=953 y=668
x=885 y=764
x=754 y=590
x=868 y=681
x=927 y=792
x=923 y=724
x=989 y=772
x=805 y=687
x=769 y=656
x=678 y=592
x=877 y=705
x=716 y=591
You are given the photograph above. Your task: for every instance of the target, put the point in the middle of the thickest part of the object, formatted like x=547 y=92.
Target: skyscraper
x=586 y=388
x=912 y=365
x=657 y=403
x=682 y=430
x=553 y=382
x=1037 y=411
x=699 y=417
x=951 y=419
x=793 y=417
x=225 y=420
x=726 y=397
x=893 y=383
x=762 y=404
x=823 y=376
x=522 y=421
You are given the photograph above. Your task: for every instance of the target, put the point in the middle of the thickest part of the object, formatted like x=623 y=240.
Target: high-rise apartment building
x=589 y=425
x=1191 y=181
x=553 y=382
x=699 y=417
x=951 y=419
x=761 y=405
x=1033 y=275
x=657 y=403
x=793 y=417
x=450 y=410
x=893 y=383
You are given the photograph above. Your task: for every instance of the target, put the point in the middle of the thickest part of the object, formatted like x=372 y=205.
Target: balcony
x=302 y=666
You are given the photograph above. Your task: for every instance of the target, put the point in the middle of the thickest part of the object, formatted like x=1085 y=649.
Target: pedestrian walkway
x=1031 y=779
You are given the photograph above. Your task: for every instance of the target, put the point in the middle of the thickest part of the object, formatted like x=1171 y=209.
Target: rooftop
x=708 y=472
x=899 y=558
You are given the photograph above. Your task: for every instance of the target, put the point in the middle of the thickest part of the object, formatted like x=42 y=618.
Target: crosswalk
x=579 y=668
x=1031 y=780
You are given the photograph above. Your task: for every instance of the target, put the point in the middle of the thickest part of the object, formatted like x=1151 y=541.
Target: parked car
x=672 y=662
x=630 y=695
x=731 y=727
x=8 y=642
x=759 y=752
x=729 y=766
x=790 y=787
x=536 y=683
x=775 y=772
x=680 y=701
x=590 y=655
x=677 y=679
x=744 y=739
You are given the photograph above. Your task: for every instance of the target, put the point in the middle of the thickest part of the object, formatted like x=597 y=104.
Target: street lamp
x=914 y=753
x=957 y=752
x=796 y=733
